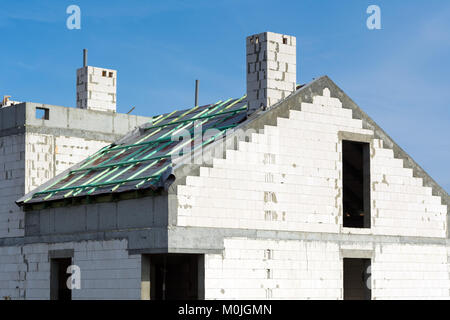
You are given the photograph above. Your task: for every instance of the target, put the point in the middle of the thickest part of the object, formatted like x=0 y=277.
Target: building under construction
x=288 y=192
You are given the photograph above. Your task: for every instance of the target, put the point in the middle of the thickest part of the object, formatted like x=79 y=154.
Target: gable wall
x=290 y=178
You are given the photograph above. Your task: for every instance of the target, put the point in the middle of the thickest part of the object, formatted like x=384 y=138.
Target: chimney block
x=271 y=69
x=96 y=87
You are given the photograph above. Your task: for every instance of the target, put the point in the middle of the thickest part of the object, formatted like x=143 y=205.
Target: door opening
x=58 y=279
x=172 y=276
x=357 y=279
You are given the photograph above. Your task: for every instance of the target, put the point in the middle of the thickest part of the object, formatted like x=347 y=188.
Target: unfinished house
x=38 y=142
x=289 y=192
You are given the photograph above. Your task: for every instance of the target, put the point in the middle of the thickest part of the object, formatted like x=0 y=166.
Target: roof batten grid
x=209 y=140
x=190 y=141
x=111 y=179
x=104 y=161
x=166 y=156
x=80 y=177
x=103 y=183
x=137 y=161
x=120 y=173
x=157 y=118
x=98 y=176
x=129 y=167
x=152 y=141
x=154 y=132
x=176 y=148
x=193 y=119
x=87 y=161
x=150 y=165
x=193 y=150
x=143 y=181
x=83 y=186
x=165 y=116
x=105 y=173
x=128 y=146
x=125 y=162
x=130 y=156
x=212 y=116
x=75 y=180
x=66 y=185
x=94 y=157
x=116 y=167
x=109 y=172
x=153 y=176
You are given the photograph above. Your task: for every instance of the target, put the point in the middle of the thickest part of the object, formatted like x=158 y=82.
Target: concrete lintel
x=201 y=239
x=211 y=240
x=357 y=137
x=145 y=238
x=63 y=253
x=174 y=250
x=357 y=254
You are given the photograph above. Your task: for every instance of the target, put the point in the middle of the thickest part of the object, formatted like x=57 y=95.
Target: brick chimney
x=271 y=69
x=96 y=87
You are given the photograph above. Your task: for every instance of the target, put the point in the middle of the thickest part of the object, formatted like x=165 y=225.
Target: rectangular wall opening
x=172 y=277
x=356 y=184
x=58 y=279
x=42 y=113
x=357 y=281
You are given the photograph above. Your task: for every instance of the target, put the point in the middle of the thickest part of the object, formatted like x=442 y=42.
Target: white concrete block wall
x=39 y=160
x=72 y=150
x=12 y=185
x=49 y=155
x=290 y=178
x=275 y=269
x=405 y=271
x=29 y=160
x=448 y=264
x=271 y=269
x=107 y=271
x=401 y=205
x=247 y=269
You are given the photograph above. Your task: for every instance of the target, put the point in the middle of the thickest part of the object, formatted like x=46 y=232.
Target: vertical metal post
x=196 y=92
x=85 y=58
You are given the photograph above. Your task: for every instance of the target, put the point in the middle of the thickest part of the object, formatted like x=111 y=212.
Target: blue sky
x=399 y=75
